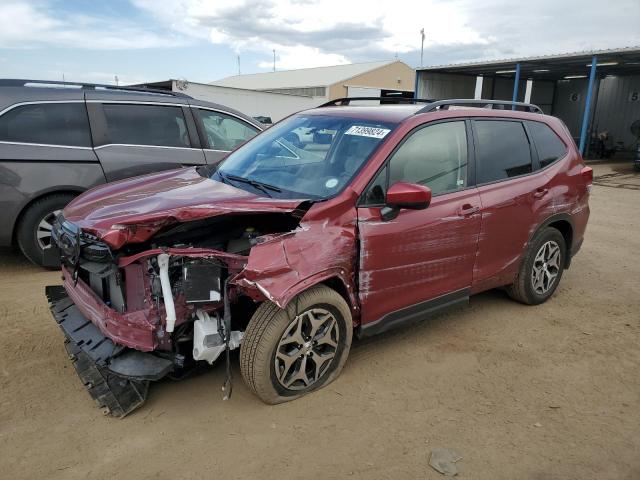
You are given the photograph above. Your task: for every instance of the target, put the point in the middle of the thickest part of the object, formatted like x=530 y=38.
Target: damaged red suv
x=337 y=220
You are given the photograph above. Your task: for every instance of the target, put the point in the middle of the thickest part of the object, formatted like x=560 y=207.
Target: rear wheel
x=287 y=353
x=34 y=228
x=542 y=268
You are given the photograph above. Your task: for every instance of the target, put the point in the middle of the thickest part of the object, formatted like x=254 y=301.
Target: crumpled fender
x=322 y=247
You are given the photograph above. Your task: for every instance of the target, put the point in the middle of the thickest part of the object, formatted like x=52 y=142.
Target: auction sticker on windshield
x=372 y=132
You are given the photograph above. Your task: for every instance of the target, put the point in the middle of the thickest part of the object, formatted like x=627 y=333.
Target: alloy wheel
x=546 y=267
x=43 y=232
x=306 y=349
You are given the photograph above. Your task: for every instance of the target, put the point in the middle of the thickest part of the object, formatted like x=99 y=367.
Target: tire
x=27 y=229
x=525 y=289
x=274 y=330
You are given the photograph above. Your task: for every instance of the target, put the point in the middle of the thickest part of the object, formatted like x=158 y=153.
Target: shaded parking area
x=619 y=176
x=546 y=392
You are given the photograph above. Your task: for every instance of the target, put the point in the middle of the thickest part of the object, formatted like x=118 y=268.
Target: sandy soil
x=548 y=392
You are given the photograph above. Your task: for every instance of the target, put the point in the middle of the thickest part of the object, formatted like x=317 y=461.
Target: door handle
x=540 y=192
x=468 y=209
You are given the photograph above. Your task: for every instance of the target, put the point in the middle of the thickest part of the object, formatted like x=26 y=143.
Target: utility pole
x=422 y=49
x=238 y=64
x=274 y=60
x=116 y=79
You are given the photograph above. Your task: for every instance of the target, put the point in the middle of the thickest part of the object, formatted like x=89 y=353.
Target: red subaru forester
x=338 y=219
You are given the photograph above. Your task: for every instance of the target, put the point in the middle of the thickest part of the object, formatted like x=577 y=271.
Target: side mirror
x=405 y=195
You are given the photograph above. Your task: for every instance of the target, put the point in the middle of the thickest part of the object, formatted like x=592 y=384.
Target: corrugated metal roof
x=301 y=78
x=541 y=58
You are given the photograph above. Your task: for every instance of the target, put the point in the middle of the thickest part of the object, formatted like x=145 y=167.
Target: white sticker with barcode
x=372 y=132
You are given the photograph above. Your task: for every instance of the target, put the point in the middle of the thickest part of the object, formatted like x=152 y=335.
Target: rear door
x=221 y=132
x=133 y=137
x=514 y=194
x=44 y=146
x=421 y=256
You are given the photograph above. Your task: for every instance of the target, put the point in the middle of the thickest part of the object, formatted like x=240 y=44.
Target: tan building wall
x=384 y=78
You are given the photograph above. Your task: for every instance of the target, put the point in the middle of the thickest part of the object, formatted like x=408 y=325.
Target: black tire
x=523 y=289
x=268 y=327
x=26 y=231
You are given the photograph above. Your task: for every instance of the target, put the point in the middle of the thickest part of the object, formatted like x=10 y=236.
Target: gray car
x=60 y=139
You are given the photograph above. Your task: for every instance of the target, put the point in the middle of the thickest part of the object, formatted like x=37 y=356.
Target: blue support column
x=587 y=105
x=516 y=84
x=415 y=86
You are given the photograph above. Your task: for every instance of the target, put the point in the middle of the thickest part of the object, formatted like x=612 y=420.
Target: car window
x=303 y=156
x=502 y=150
x=158 y=125
x=434 y=156
x=377 y=190
x=224 y=132
x=548 y=144
x=47 y=123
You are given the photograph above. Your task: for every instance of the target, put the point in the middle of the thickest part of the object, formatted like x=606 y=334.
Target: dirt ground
x=544 y=393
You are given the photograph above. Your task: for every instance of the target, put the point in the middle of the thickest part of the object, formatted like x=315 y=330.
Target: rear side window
x=502 y=150
x=224 y=132
x=156 y=125
x=549 y=146
x=64 y=124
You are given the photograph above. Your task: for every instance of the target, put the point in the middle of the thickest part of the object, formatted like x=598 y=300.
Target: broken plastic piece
x=167 y=296
x=209 y=340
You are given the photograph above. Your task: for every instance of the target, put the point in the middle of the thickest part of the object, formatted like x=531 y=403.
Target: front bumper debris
x=116 y=377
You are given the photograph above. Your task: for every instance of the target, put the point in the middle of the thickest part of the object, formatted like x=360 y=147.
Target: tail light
x=587 y=176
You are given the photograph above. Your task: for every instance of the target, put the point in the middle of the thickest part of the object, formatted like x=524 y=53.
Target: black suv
x=60 y=139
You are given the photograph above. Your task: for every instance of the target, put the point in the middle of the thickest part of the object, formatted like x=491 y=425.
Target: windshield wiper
x=263 y=187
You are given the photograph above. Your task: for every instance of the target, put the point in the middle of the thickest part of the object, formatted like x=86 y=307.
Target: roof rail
x=11 y=82
x=346 y=100
x=493 y=104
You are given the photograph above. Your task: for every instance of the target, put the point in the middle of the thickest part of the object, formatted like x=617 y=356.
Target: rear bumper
x=116 y=377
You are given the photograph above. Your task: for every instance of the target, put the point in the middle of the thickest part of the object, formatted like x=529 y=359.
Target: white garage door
x=363 y=92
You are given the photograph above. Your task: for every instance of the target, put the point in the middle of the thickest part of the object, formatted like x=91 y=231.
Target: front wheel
x=287 y=353
x=542 y=268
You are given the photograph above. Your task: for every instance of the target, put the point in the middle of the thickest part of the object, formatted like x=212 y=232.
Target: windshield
x=311 y=156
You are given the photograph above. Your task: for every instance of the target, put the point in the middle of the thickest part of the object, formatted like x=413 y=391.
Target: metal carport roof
x=621 y=61
x=591 y=64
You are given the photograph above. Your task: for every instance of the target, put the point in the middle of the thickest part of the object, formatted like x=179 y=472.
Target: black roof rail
x=13 y=82
x=346 y=100
x=493 y=104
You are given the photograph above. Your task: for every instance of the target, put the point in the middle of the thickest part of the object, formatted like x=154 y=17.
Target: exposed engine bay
x=172 y=297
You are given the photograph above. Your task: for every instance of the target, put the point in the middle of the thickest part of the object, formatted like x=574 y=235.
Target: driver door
x=421 y=259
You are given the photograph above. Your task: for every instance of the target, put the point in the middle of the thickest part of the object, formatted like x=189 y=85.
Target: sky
x=200 y=40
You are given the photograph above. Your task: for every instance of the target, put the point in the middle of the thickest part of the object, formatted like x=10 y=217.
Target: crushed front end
x=154 y=309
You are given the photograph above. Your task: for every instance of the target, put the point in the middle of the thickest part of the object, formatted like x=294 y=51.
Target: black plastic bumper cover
x=116 y=377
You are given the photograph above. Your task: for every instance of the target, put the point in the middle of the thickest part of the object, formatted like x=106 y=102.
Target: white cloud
x=321 y=32
x=303 y=57
x=315 y=32
x=25 y=25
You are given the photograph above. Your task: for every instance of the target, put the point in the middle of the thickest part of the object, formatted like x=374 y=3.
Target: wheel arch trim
x=549 y=221
x=334 y=278
x=57 y=190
